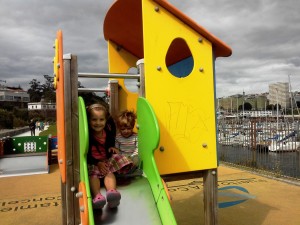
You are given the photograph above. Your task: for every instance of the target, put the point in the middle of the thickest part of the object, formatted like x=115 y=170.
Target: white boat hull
x=284 y=146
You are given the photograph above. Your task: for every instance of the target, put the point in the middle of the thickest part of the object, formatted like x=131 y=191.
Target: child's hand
x=103 y=167
x=113 y=150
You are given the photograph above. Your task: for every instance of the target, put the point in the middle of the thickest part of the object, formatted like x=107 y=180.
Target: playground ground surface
x=244 y=198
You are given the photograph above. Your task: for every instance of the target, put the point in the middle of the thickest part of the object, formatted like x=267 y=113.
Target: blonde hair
x=97 y=107
x=126 y=118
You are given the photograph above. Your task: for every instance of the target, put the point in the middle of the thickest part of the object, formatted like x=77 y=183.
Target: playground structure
x=24 y=156
x=175 y=107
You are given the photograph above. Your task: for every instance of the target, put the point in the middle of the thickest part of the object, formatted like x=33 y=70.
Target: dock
x=244 y=198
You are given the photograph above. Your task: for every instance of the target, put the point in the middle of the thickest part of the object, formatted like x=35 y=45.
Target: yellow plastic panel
x=120 y=61
x=55 y=62
x=184 y=106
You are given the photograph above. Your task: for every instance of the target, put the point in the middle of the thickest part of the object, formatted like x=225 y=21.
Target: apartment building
x=13 y=96
x=279 y=92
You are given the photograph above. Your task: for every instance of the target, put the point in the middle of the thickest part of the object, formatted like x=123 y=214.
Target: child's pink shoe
x=99 y=201
x=113 y=198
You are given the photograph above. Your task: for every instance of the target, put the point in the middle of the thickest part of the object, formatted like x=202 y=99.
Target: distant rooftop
x=14 y=89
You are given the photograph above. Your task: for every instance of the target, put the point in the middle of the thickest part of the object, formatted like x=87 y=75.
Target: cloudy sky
x=263 y=34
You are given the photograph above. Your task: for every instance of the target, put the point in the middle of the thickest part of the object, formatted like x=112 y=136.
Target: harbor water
x=280 y=164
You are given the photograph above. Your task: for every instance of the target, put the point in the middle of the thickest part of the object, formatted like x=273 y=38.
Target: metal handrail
x=109 y=75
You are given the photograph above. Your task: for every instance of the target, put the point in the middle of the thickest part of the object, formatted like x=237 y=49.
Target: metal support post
x=140 y=65
x=210 y=180
x=71 y=138
x=114 y=97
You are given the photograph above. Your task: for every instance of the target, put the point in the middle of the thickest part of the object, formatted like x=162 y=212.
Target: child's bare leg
x=112 y=195
x=98 y=200
x=95 y=186
x=110 y=181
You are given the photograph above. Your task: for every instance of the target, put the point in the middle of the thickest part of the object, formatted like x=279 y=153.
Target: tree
x=80 y=85
x=6 y=119
x=48 y=90
x=273 y=107
x=35 y=91
x=277 y=105
x=270 y=107
x=247 y=106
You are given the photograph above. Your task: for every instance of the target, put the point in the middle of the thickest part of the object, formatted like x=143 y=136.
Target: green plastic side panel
x=30 y=144
x=148 y=140
x=83 y=146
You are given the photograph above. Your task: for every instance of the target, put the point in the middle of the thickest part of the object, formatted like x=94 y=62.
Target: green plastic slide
x=144 y=200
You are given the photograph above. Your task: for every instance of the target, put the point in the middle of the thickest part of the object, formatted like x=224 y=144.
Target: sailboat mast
x=277 y=109
x=291 y=96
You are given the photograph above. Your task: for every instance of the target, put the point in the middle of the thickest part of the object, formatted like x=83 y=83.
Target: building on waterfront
x=41 y=106
x=13 y=96
x=46 y=109
x=235 y=103
x=279 y=93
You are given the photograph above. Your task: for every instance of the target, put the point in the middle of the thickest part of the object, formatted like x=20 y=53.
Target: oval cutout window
x=179 y=59
x=131 y=84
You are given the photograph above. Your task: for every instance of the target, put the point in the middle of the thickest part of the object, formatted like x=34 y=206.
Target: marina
x=194 y=167
x=269 y=145
x=258 y=134
x=275 y=164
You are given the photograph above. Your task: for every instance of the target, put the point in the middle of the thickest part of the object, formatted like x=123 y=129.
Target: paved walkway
x=31 y=200
x=28 y=133
x=244 y=199
x=4 y=133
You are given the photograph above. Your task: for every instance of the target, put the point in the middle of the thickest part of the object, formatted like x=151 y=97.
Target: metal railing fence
x=264 y=144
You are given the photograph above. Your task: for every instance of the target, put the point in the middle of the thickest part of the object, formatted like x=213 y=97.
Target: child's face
x=97 y=120
x=126 y=131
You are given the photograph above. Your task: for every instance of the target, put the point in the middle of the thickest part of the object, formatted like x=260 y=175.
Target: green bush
x=36 y=115
x=6 y=119
x=17 y=122
x=21 y=114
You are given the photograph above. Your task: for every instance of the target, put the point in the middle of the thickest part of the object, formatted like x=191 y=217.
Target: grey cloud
x=264 y=36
